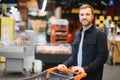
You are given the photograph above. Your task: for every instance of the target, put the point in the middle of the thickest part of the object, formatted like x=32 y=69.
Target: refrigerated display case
x=52 y=54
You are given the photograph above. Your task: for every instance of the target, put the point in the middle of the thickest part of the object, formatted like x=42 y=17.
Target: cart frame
x=47 y=74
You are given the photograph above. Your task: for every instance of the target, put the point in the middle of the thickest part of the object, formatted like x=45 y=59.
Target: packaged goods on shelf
x=19 y=45
x=53 y=49
x=60 y=31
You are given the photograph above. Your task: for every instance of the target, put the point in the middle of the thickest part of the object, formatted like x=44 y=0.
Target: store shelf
x=14 y=54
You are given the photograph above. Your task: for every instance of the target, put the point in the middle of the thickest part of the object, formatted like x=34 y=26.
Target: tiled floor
x=111 y=72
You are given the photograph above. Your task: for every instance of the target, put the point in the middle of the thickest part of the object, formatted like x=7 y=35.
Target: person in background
x=90 y=50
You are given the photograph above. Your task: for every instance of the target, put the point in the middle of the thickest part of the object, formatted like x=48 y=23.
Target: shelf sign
x=7 y=29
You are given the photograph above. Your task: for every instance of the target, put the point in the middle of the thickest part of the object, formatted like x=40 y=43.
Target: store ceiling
x=69 y=4
x=76 y=3
x=8 y=1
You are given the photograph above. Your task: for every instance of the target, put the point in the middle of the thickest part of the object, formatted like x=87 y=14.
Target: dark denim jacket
x=95 y=52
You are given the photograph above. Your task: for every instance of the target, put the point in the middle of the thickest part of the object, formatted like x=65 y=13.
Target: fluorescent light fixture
x=44 y=5
x=42 y=11
x=13 y=9
x=104 y=3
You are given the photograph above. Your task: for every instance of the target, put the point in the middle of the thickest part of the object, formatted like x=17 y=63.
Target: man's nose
x=84 y=16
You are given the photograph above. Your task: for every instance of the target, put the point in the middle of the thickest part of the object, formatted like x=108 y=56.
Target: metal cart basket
x=52 y=74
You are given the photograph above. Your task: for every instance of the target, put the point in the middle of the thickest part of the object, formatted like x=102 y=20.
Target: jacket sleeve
x=69 y=62
x=102 y=53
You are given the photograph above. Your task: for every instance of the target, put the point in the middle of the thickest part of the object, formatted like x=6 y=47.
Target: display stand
x=60 y=31
x=20 y=61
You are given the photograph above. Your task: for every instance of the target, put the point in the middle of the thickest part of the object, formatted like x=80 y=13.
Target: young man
x=89 y=47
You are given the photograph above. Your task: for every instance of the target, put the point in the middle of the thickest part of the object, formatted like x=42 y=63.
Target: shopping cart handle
x=78 y=77
x=55 y=68
x=49 y=71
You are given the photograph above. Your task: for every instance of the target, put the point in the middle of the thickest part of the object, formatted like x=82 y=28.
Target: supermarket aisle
x=10 y=76
x=111 y=72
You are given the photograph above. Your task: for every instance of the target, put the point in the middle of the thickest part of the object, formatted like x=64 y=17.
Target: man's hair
x=84 y=6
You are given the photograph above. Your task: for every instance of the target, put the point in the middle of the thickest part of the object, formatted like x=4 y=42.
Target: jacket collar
x=88 y=30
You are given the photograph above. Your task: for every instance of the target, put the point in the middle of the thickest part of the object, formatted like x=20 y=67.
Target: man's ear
x=93 y=16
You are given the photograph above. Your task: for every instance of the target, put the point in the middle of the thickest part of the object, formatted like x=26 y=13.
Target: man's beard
x=86 y=23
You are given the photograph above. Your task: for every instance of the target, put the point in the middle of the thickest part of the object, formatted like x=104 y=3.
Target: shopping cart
x=53 y=74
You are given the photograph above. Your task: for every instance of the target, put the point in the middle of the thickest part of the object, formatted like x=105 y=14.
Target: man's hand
x=61 y=66
x=77 y=69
